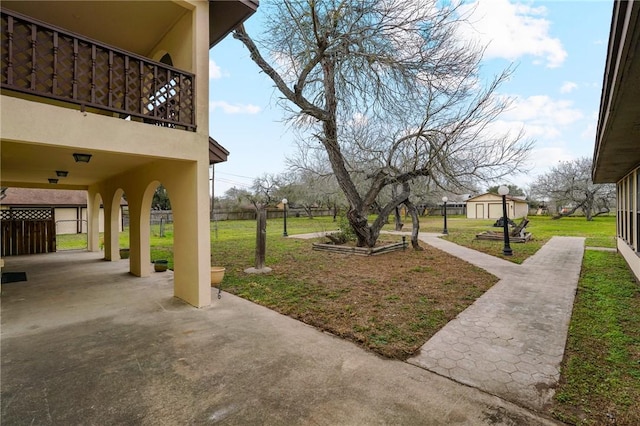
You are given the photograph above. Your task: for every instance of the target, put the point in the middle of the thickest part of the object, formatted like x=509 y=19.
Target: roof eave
x=614 y=152
x=226 y=15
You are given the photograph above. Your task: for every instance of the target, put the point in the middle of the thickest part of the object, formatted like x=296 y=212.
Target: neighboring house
x=69 y=207
x=112 y=97
x=616 y=156
x=489 y=206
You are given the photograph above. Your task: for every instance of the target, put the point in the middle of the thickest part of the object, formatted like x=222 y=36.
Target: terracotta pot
x=217 y=274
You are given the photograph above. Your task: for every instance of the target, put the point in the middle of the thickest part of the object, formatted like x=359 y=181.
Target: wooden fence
x=27 y=231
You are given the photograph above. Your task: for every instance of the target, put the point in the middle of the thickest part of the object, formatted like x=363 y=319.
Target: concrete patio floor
x=84 y=342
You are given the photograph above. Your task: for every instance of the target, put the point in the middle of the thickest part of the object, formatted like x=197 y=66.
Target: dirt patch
x=390 y=303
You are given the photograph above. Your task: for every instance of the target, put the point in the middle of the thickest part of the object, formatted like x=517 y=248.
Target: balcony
x=43 y=60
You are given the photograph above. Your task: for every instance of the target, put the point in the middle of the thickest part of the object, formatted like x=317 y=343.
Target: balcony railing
x=40 y=59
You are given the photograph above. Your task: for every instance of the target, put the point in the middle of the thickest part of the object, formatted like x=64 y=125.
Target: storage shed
x=489 y=206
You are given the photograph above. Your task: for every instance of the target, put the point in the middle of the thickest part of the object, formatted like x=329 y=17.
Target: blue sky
x=559 y=48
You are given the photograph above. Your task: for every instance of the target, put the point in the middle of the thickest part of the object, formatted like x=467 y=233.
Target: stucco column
x=93 y=220
x=189 y=193
x=139 y=223
x=111 y=202
x=192 y=241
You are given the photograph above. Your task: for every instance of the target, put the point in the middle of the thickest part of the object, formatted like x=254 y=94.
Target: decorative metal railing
x=40 y=59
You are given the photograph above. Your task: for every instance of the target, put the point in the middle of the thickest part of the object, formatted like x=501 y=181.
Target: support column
x=139 y=230
x=93 y=220
x=188 y=190
x=111 y=228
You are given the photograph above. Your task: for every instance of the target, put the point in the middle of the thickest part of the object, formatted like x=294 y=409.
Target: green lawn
x=600 y=381
x=240 y=233
x=599 y=232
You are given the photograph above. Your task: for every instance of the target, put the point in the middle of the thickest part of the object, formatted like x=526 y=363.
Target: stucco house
x=113 y=98
x=489 y=206
x=616 y=157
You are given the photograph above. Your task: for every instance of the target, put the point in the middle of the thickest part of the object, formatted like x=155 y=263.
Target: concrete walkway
x=511 y=341
x=84 y=342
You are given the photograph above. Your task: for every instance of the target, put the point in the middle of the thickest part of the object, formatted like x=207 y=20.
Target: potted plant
x=160 y=265
x=217 y=274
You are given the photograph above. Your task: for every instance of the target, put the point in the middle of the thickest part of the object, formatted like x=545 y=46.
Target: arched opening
x=166 y=59
x=160 y=226
x=78 y=219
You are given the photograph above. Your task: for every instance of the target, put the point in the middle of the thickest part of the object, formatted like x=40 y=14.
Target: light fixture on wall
x=62 y=173
x=52 y=180
x=81 y=158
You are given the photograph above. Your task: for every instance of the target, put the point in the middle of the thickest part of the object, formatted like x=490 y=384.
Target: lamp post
x=284 y=203
x=445 y=231
x=504 y=190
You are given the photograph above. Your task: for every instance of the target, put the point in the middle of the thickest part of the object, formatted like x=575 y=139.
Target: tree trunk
x=357 y=211
x=261 y=238
x=399 y=223
x=396 y=210
x=605 y=211
x=588 y=214
x=366 y=236
x=415 y=221
x=588 y=206
x=308 y=211
x=569 y=213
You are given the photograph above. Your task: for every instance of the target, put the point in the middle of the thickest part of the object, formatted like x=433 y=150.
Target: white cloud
x=568 y=87
x=215 y=71
x=542 y=110
x=532 y=130
x=545 y=157
x=540 y=117
x=589 y=132
x=235 y=108
x=541 y=160
x=512 y=30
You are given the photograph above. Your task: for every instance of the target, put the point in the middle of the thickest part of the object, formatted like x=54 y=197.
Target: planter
x=217 y=274
x=160 y=265
x=124 y=253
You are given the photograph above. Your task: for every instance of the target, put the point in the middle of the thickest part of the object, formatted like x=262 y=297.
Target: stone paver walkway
x=510 y=342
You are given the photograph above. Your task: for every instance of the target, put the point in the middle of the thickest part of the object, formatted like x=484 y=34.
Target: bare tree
x=264 y=191
x=569 y=184
x=391 y=94
x=309 y=190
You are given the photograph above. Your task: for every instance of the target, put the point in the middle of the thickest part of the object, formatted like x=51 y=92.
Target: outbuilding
x=489 y=206
x=69 y=207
